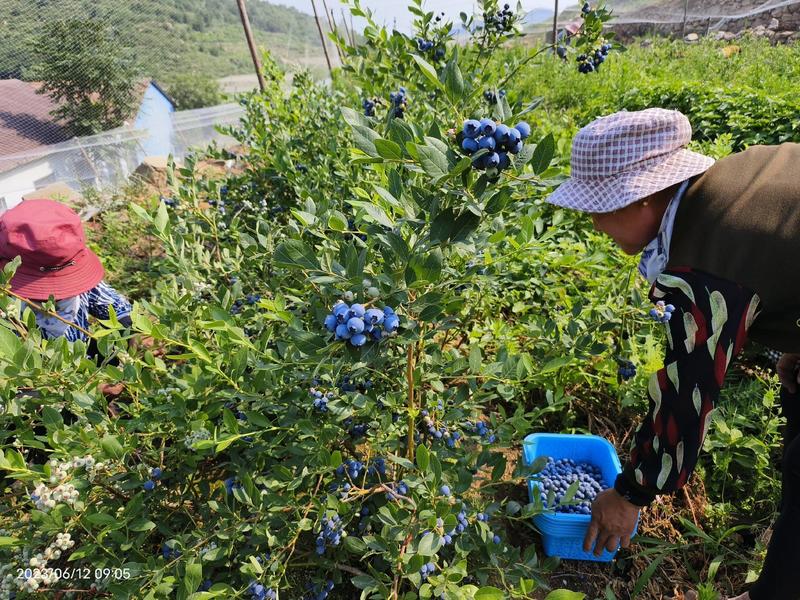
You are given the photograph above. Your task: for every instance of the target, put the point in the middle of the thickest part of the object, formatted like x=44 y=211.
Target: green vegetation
x=171 y=38
x=88 y=76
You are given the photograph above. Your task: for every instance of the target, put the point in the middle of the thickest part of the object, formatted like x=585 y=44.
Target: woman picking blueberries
x=719 y=242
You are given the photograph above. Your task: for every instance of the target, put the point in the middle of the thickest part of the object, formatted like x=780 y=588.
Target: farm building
x=36 y=151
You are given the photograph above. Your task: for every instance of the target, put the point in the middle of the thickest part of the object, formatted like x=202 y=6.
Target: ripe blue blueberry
x=355 y=325
x=149 y=486
x=488 y=127
x=487 y=143
x=391 y=323
x=469 y=145
x=524 y=129
x=471 y=128
x=155 y=472
x=492 y=161
x=374 y=316
x=445 y=490
x=340 y=311
x=330 y=323
x=505 y=162
x=342 y=332
x=357 y=310
x=496 y=539
x=501 y=134
x=358 y=340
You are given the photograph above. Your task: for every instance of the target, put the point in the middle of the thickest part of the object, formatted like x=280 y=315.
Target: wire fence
x=155 y=77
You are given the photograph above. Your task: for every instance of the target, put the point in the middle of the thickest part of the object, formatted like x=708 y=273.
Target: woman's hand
x=613 y=521
x=787 y=371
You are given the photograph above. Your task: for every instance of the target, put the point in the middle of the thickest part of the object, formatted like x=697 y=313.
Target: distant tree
x=192 y=90
x=88 y=73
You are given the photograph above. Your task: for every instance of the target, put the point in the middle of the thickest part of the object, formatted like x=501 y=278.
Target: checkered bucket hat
x=626 y=156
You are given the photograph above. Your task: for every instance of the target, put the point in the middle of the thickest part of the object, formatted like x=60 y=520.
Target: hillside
x=169 y=37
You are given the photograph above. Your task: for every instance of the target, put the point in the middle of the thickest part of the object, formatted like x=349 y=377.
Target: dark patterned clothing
x=707 y=330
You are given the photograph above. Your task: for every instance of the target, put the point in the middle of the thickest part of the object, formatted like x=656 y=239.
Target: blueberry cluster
x=501 y=21
x=330 y=534
x=399 y=489
x=320 y=592
x=258 y=592
x=427 y=569
x=442 y=432
x=369 y=106
x=483 y=430
x=561 y=51
x=155 y=475
x=320 y=399
x=627 y=370
x=498 y=139
x=585 y=9
x=399 y=102
x=591 y=61
x=250 y=299
x=171 y=202
x=560 y=474
x=661 y=312
x=424 y=45
x=491 y=97
x=355 y=431
x=169 y=553
x=353 y=323
x=350 y=385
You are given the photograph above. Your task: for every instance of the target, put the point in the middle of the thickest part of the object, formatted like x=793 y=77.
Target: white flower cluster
x=195 y=436
x=41 y=576
x=167 y=391
x=92 y=467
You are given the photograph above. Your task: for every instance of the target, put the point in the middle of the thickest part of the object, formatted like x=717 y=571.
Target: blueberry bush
x=343 y=345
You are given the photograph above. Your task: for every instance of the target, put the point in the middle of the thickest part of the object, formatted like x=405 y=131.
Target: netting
x=157 y=61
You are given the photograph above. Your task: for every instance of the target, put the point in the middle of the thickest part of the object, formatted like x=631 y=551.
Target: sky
x=390 y=10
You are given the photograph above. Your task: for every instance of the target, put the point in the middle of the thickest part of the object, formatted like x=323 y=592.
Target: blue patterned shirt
x=77 y=310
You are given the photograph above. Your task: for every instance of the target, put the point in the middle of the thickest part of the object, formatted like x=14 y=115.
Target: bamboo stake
x=248 y=33
x=322 y=38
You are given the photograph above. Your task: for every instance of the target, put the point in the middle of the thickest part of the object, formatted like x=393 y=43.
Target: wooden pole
x=248 y=33
x=555 y=23
x=322 y=38
x=333 y=28
x=352 y=29
x=347 y=29
x=685 y=10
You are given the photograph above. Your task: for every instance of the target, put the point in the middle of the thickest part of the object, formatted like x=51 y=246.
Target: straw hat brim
x=606 y=194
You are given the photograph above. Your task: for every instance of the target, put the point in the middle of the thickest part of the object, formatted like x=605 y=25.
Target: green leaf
x=474 y=359
x=388 y=149
x=555 y=364
x=51 y=418
x=364 y=138
x=193 y=577
x=453 y=81
x=162 y=217
x=489 y=593
x=564 y=595
x=427 y=267
x=354 y=118
x=433 y=161
x=141 y=525
x=337 y=221
x=543 y=154
x=423 y=458
x=294 y=253
x=498 y=201
x=9 y=343
x=646 y=575
x=446 y=227
x=428 y=70
x=429 y=544
x=112 y=447
x=9 y=541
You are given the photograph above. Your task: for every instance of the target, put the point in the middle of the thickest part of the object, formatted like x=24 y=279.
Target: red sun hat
x=49 y=238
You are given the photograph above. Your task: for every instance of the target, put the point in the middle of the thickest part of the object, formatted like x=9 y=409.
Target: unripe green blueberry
x=373 y=292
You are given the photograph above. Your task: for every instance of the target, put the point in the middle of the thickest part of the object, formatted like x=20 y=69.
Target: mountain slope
x=168 y=37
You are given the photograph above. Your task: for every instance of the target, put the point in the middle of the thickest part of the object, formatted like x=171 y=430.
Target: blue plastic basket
x=563 y=533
